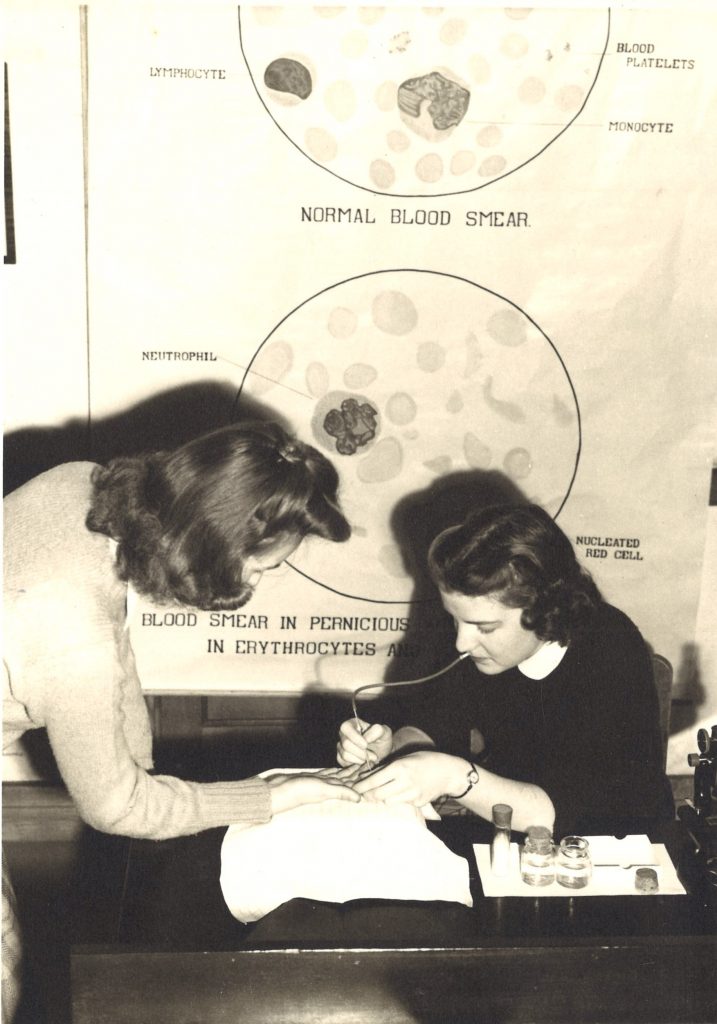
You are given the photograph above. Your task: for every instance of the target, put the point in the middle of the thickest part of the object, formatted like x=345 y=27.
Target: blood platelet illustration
x=402 y=377
x=422 y=101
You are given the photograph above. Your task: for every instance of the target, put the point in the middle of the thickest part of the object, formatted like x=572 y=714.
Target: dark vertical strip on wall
x=10 y=254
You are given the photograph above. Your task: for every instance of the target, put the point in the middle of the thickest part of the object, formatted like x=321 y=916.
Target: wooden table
x=178 y=956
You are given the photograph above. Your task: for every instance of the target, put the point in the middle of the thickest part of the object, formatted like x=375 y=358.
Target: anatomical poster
x=464 y=252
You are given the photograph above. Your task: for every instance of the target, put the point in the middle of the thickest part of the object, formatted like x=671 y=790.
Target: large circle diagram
x=404 y=376
x=423 y=101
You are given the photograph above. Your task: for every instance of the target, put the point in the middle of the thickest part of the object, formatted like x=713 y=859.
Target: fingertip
x=349 y=794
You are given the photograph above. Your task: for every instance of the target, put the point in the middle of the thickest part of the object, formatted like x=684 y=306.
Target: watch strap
x=471 y=778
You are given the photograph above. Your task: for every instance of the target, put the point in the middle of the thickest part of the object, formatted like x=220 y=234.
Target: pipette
x=399 y=682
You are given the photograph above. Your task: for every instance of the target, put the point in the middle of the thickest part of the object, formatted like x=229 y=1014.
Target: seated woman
x=196 y=526
x=557 y=682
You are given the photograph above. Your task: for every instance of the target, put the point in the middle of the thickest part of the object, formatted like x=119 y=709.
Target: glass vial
x=573 y=864
x=537 y=857
x=500 y=846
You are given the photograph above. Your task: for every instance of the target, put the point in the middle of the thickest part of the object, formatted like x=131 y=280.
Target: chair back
x=662 y=674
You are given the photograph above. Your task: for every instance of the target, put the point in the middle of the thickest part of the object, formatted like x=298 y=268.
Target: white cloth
x=338 y=851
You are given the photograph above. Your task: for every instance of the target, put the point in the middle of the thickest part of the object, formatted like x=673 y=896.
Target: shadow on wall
x=691 y=699
x=416 y=521
x=166 y=420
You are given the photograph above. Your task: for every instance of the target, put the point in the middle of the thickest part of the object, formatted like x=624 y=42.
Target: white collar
x=542 y=662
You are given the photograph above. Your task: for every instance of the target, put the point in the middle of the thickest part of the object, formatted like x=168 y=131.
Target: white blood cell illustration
x=419 y=101
x=286 y=75
x=401 y=377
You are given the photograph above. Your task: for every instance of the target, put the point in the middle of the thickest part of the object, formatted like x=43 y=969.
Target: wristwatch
x=471 y=778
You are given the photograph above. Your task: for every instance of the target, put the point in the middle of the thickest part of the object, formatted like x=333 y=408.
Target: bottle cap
x=539 y=832
x=502 y=815
x=539 y=838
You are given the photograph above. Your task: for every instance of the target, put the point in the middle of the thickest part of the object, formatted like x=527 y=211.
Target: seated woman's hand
x=295 y=789
x=371 y=745
x=418 y=779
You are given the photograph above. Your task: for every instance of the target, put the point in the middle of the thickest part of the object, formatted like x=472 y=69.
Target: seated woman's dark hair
x=517 y=554
x=186 y=520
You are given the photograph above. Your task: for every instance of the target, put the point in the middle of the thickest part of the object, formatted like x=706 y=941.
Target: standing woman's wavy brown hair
x=186 y=520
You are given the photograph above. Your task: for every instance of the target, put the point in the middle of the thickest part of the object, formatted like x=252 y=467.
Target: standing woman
x=196 y=526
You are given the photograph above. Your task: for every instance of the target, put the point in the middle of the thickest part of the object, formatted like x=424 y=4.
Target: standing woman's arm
x=82 y=685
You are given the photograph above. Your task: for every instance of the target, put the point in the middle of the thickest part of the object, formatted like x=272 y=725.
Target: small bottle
x=500 y=846
x=573 y=865
x=537 y=858
x=646 y=880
